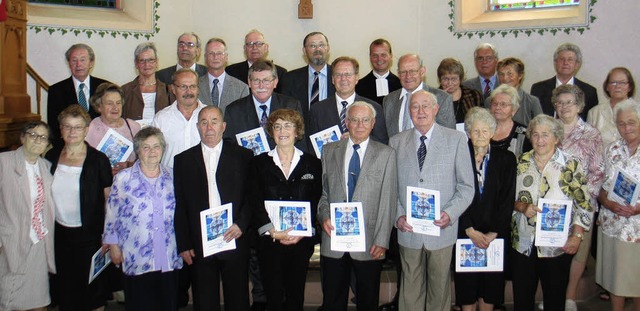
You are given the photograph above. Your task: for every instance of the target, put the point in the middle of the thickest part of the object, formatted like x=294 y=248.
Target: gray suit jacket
x=393 y=102
x=376 y=189
x=447 y=168
x=232 y=90
x=15 y=211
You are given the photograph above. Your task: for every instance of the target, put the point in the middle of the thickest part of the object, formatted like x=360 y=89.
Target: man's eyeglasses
x=252 y=44
x=185 y=87
x=37 y=138
x=183 y=44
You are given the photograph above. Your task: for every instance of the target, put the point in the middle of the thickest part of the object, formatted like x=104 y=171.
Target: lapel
x=250 y=116
x=339 y=152
x=227 y=88
x=395 y=109
x=437 y=140
x=369 y=160
x=411 y=156
x=203 y=85
x=21 y=177
x=332 y=110
x=201 y=176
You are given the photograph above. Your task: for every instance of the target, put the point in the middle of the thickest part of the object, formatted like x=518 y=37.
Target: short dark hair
x=74 y=111
x=353 y=61
x=632 y=82
x=77 y=46
x=451 y=65
x=380 y=41
x=304 y=42
x=104 y=88
x=33 y=124
x=288 y=115
x=263 y=65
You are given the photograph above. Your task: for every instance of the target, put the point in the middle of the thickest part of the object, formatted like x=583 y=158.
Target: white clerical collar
x=384 y=76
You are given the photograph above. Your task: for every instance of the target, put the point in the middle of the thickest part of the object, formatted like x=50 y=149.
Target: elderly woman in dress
x=81 y=181
x=619 y=232
x=139 y=227
x=108 y=101
x=450 y=75
x=26 y=222
x=489 y=215
x=509 y=134
x=619 y=86
x=511 y=72
x=145 y=95
x=583 y=142
x=284 y=174
x=546 y=172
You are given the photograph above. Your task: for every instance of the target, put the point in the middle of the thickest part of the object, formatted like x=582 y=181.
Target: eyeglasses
x=344 y=75
x=314 y=46
x=183 y=44
x=146 y=61
x=216 y=54
x=502 y=105
x=481 y=59
x=70 y=128
x=417 y=107
x=263 y=81
x=185 y=87
x=286 y=126
x=620 y=83
x=364 y=121
x=37 y=138
x=446 y=79
x=568 y=103
x=254 y=44
x=411 y=72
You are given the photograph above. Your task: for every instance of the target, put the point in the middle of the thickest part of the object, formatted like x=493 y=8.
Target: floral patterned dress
x=561 y=179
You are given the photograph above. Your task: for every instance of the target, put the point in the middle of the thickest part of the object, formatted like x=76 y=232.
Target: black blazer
x=491 y=211
x=165 y=74
x=240 y=71
x=62 y=95
x=543 y=89
x=366 y=87
x=192 y=195
x=95 y=176
x=241 y=116
x=325 y=114
x=267 y=182
x=295 y=83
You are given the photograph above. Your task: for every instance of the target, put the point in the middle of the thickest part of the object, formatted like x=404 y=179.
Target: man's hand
x=377 y=252
x=232 y=233
x=403 y=225
x=444 y=220
x=187 y=256
x=327 y=227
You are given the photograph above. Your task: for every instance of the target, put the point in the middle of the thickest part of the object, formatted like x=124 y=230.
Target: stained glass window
x=506 y=5
x=111 y=4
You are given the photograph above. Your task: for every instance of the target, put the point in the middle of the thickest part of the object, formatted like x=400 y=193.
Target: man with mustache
x=178 y=121
x=189 y=49
x=312 y=83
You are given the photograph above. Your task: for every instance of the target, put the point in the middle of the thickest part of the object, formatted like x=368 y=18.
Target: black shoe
x=391 y=306
x=259 y=306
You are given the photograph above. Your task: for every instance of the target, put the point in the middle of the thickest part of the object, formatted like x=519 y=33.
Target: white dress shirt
x=179 y=133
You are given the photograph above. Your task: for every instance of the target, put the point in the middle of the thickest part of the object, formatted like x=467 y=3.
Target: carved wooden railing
x=40 y=85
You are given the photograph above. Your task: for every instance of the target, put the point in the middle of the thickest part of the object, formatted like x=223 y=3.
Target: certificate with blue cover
x=471 y=258
x=254 y=140
x=423 y=208
x=347 y=220
x=553 y=223
x=295 y=215
x=117 y=147
x=624 y=188
x=319 y=139
x=214 y=222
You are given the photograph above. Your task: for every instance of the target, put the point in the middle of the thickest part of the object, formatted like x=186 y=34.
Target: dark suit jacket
x=491 y=211
x=241 y=116
x=165 y=74
x=295 y=83
x=267 y=182
x=366 y=87
x=134 y=103
x=240 y=71
x=543 y=89
x=192 y=195
x=95 y=176
x=62 y=95
x=325 y=114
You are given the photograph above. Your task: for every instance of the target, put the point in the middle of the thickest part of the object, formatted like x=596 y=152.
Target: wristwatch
x=579 y=235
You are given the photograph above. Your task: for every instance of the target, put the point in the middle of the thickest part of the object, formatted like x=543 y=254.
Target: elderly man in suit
x=255 y=48
x=567 y=60
x=312 y=83
x=332 y=111
x=357 y=169
x=217 y=88
x=76 y=89
x=485 y=57
x=252 y=111
x=210 y=174
x=433 y=157
x=396 y=104
x=380 y=81
x=189 y=49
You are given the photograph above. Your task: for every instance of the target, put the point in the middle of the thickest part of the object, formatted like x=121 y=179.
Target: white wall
x=411 y=26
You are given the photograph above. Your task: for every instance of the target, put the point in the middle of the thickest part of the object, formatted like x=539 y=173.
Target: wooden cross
x=305 y=9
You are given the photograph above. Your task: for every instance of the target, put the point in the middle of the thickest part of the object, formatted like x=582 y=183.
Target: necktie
x=487 y=88
x=406 y=118
x=215 y=96
x=422 y=151
x=38 y=220
x=82 y=99
x=315 y=90
x=354 y=171
x=343 y=116
x=263 y=118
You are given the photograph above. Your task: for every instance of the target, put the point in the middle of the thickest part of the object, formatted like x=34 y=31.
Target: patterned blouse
x=626 y=229
x=561 y=179
x=139 y=219
x=585 y=144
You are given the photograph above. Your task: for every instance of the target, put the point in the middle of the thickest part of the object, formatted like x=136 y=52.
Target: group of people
x=511 y=149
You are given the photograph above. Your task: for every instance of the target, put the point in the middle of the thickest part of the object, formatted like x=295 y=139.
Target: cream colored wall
x=410 y=25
